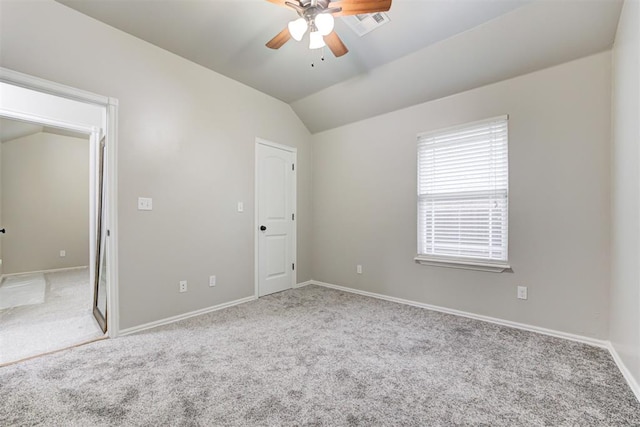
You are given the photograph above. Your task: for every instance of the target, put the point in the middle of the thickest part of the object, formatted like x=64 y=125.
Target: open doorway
x=46 y=295
x=59 y=270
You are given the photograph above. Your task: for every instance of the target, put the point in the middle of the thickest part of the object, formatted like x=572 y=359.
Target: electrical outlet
x=522 y=292
x=63 y=253
x=183 y=286
x=212 y=280
x=359 y=269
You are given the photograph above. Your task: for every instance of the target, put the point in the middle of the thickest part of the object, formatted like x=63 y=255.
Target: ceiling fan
x=317 y=17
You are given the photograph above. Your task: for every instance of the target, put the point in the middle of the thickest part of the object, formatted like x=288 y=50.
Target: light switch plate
x=522 y=292
x=145 y=204
x=240 y=207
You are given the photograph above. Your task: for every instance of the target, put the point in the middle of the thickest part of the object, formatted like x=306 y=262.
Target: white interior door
x=275 y=186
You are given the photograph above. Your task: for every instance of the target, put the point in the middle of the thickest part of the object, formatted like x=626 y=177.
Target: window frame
x=451 y=261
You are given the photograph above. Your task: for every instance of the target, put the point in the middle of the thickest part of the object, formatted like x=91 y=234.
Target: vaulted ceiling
x=430 y=49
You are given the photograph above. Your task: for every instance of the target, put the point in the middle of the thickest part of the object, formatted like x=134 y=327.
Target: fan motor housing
x=320 y=4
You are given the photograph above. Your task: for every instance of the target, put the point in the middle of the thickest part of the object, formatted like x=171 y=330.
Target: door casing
x=28 y=98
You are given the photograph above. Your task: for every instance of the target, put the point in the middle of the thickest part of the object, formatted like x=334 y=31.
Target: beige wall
x=45 y=202
x=625 y=248
x=186 y=139
x=364 y=189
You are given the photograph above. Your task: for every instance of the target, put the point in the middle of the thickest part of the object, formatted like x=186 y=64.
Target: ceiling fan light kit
x=324 y=23
x=315 y=40
x=317 y=16
x=297 y=28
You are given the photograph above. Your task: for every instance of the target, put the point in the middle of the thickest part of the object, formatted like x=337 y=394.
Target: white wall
x=364 y=204
x=186 y=139
x=625 y=248
x=45 y=202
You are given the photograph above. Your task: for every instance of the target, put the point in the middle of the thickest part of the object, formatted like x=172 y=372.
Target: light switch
x=145 y=204
x=522 y=292
x=240 y=207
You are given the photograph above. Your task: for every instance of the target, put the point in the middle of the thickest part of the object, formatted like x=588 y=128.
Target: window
x=463 y=196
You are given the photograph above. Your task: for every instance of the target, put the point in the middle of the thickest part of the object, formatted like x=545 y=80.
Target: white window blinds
x=463 y=193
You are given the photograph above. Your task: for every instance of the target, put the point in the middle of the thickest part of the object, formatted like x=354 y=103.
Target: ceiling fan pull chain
x=321 y=57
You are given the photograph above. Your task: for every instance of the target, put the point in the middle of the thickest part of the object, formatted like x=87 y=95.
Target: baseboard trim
x=172 y=319
x=523 y=326
x=53 y=270
x=303 y=284
x=633 y=383
x=177 y=318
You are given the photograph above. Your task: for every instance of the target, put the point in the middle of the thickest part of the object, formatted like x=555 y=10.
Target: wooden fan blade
x=358 y=7
x=335 y=44
x=282 y=37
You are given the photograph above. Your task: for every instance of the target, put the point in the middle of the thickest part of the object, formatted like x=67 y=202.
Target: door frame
x=256 y=219
x=29 y=98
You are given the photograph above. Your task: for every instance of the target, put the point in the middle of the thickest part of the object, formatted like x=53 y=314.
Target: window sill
x=463 y=264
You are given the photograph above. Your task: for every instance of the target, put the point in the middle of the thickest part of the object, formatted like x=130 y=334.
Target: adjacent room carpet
x=316 y=356
x=25 y=289
x=55 y=312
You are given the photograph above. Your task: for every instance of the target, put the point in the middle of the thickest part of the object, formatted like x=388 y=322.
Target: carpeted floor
x=58 y=318
x=315 y=356
x=57 y=314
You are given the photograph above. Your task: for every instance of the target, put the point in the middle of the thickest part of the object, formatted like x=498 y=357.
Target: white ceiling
x=11 y=129
x=430 y=49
